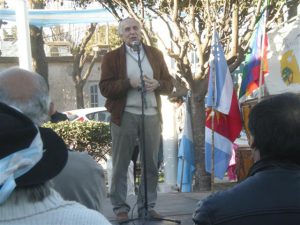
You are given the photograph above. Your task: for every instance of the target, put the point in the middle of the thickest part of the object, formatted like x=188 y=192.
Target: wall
x=62 y=87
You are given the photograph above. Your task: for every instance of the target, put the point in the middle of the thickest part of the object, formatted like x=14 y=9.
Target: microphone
x=135 y=45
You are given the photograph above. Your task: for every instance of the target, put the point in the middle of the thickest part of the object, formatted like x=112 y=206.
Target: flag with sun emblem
x=227 y=123
x=284 y=58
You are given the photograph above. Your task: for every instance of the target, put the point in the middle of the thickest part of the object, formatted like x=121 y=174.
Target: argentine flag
x=186 y=164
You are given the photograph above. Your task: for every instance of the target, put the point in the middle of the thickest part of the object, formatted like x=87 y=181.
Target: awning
x=43 y=17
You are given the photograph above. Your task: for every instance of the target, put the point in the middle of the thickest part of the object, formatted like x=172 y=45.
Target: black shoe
x=151 y=214
x=122 y=216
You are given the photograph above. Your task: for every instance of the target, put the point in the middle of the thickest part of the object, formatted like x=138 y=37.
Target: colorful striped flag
x=227 y=122
x=256 y=56
x=186 y=163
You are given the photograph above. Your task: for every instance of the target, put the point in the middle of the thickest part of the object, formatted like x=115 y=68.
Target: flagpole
x=183 y=154
x=213 y=116
x=212 y=150
x=23 y=34
x=261 y=91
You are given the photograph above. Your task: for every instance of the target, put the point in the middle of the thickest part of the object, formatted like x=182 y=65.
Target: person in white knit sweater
x=30 y=156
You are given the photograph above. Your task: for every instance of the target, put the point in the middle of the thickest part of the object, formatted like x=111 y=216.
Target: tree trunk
x=235 y=29
x=79 y=60
x=202 y=178
x=40 y=65
x=79 y=95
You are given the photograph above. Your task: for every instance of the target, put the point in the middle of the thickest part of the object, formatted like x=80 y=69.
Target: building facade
x=62 y=86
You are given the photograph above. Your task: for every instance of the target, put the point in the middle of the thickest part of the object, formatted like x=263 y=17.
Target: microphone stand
x=144 y=105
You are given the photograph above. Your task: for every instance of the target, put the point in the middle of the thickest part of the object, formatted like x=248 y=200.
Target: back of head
x=274 y=124
x=27 y=91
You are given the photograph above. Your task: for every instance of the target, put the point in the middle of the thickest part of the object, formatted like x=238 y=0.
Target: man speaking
x=125 y=72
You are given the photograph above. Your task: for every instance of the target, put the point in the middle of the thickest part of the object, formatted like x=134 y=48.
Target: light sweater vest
x=134 y=100
x=53 y=210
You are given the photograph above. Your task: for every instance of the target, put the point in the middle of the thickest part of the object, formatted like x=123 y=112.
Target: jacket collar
x=268 y=164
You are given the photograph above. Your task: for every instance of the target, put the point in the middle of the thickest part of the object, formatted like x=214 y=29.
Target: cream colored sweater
x=134 y=100
x=53 y=210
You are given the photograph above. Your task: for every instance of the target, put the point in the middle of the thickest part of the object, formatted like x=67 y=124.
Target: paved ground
x=173 y=206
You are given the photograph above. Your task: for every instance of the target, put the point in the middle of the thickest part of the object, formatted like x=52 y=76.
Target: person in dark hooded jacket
x=270 y=194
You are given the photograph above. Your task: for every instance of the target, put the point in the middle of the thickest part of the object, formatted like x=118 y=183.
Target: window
x=96 y=99
x=94 y=95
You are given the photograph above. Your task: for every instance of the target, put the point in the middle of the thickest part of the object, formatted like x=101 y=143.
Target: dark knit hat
x=17 y=133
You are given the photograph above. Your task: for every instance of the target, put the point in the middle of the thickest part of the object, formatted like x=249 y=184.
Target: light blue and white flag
x=221 y=100
x=186 y=163
x=44 y=17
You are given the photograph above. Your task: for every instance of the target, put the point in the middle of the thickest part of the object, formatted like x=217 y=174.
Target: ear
x=255 y=152
x=251 y=142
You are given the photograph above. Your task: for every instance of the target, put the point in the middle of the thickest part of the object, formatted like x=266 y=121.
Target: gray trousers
x=123 y=141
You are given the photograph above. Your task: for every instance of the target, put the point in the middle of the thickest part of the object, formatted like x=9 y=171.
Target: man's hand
x=150 y=84
x=135 y=83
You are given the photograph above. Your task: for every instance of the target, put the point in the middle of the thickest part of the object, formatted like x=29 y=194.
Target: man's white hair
x=120 y=28
x=36 y=106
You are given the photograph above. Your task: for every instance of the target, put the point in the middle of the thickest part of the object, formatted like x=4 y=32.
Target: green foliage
x=113 y=37
x=10 y=34
x=90 y=136
x=102 y=37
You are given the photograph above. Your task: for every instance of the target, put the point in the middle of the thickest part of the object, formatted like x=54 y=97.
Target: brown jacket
x=114 y=82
